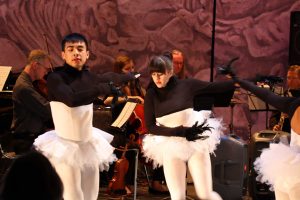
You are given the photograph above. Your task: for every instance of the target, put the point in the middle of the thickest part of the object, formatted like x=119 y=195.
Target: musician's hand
x=195 y=132
x=140 y=99
x=276 y=127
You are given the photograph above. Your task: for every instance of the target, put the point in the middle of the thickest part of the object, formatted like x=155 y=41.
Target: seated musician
x=31 y=110
x=281 y=120
x=133 y=92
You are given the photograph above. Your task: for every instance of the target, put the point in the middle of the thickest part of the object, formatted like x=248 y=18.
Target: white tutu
x=279 y=166
x=88 y=147
x=97 y=152
x=156 y=147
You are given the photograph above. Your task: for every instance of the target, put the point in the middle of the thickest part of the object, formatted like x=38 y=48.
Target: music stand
x=256 y=104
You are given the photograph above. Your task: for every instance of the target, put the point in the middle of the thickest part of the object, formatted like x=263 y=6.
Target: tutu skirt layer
x=156 y=147
x=97 y=152
x=279 y=166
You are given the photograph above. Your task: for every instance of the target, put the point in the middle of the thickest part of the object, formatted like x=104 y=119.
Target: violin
x=41 y=87
x=117 y=183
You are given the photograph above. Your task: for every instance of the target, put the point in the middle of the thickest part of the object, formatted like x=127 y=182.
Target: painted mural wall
x=257 y=31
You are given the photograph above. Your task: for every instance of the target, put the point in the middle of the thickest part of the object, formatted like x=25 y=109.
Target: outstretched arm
x=76 y=93
x=115 y=77
x=281 y=103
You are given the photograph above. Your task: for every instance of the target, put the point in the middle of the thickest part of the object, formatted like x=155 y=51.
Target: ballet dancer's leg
x=294 y=193
x=90 y=182
x=281 y=195
x=175 y=173
x=71 y=179
x=200 y=168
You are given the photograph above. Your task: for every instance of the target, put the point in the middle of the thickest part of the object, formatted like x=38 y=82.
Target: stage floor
x=143 y=194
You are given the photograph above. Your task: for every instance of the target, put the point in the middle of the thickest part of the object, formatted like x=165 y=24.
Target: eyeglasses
x=45 y=67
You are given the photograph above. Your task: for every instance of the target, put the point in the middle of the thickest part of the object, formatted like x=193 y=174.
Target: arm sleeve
x=115 y=77
x=279 y=102
x=150 y=121
x=213 y=87
x=60 y=91
x=36 y=103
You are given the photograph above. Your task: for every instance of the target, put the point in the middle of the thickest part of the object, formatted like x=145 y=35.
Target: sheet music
x=125 y=114
x=4 y=72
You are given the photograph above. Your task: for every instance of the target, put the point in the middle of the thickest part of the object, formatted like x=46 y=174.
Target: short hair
x=31 y=176
x=37 y=55
x=120 y=62
x=160 y=64
x=74 y=37
x=295 y=68
x=177 y=52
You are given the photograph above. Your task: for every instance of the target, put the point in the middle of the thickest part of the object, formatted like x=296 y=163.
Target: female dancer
x=175 y=137
x=75 y=148
x=279 y=164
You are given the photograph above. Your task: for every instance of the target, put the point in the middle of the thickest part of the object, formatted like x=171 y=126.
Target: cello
x=117 y=183
x=137 y=117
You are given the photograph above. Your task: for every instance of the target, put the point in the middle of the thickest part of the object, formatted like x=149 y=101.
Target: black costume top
x=283 y=104
x=176 y=96
x=75 y=88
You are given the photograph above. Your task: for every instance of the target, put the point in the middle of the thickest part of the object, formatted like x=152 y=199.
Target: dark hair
x=74 y=37
x=31 y=176
x=160 y=64
x=168 y=54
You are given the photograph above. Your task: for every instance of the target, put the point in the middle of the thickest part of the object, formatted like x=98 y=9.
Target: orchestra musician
x=178 y=64
x=293 y=89
x=133 y=91
x=31 y=110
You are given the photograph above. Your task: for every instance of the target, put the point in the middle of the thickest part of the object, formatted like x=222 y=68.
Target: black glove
x=195 y=132
x=228 y=70
x=116 y=91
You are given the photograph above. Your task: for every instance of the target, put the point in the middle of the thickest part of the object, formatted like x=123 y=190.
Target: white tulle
x=156 y=147
x=279 y=165
x=78 y=150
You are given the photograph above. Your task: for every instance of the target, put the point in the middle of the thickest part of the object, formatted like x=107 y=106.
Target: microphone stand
x=212 y=58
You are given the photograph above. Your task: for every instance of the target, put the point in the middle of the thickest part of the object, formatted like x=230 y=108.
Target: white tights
x=293 y=194
x=200 y=168
x=79 y=184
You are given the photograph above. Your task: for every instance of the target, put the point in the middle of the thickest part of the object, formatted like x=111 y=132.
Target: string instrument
x=281 y=121
x=137 y=119
x=41 y=87
x=117 y=183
